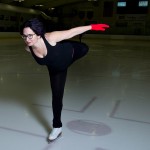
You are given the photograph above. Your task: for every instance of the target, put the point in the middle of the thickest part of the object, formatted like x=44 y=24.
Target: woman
x=52 y=50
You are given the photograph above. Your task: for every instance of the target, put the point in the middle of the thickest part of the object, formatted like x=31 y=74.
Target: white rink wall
x=6 y=35
x=9 y=35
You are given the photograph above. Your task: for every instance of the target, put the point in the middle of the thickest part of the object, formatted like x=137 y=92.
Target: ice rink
x=106 y=99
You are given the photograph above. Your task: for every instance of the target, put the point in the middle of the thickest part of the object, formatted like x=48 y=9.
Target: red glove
x=101 y=27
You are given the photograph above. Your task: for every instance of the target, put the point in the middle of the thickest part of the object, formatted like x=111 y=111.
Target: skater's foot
x=55 y=133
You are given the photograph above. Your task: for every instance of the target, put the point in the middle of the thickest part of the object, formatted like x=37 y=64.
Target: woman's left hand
x=99 y=27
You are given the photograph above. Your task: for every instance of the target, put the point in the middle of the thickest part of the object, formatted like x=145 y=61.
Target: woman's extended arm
x=58 y=36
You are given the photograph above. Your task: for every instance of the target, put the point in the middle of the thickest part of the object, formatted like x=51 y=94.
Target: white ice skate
x=55 y=133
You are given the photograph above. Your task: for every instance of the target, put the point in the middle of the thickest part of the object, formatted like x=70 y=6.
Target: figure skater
x=55 y=51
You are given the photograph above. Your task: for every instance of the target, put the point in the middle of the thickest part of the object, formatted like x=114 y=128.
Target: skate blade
x=58 y=137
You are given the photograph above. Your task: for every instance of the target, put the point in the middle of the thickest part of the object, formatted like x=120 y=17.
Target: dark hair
x=35 y=24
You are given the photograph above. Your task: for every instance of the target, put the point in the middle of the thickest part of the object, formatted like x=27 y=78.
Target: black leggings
x=58 y=79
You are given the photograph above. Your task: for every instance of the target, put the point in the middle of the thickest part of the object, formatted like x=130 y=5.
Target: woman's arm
x=58 y=36
x=27 y=49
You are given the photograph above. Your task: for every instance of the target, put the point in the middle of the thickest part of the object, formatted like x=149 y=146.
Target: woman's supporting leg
x=58 y=79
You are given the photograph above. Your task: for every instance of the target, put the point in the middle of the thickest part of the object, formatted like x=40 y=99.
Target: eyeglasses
x=29 y=36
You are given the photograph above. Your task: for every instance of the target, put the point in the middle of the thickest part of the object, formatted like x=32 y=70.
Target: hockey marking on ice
x=22 y=132
x=82 y=110
x=114 y=116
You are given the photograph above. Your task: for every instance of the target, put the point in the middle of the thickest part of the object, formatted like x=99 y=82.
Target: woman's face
x=29 y=36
